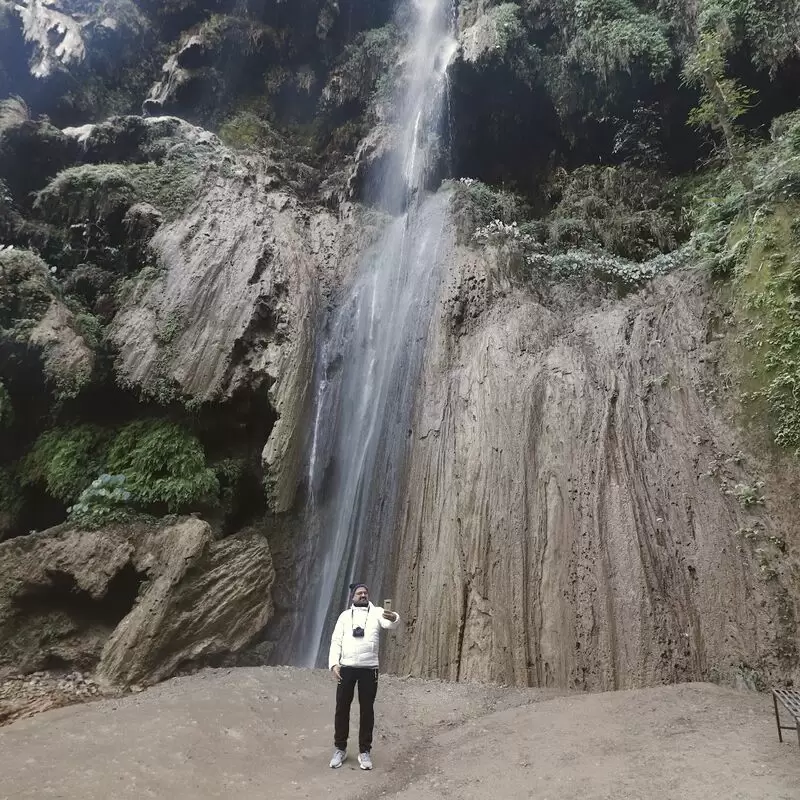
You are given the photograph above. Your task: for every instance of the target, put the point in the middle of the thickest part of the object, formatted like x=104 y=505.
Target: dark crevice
x=63 y=595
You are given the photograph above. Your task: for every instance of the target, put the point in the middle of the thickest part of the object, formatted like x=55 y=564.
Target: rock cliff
x=581 y=509
x=601 y=470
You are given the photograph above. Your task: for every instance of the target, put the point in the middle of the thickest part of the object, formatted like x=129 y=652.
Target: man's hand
x=337 y=672
x=390 y=615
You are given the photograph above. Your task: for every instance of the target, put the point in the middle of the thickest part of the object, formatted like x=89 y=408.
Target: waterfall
x=369 y=362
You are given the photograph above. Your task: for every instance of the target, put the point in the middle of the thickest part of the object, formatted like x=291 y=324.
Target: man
x=354 y=660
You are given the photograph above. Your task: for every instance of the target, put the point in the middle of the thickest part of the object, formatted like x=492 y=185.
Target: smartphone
x=387 y=605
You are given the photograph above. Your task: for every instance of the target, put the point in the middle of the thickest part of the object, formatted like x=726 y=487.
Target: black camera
x=358 y=632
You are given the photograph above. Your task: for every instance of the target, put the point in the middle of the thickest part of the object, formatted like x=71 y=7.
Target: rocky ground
x=252 y=733
x=26 y=695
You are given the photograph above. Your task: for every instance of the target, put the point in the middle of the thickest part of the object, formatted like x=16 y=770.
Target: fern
x=164 y=467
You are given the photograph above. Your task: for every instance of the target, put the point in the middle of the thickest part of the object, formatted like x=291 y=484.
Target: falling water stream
x=369 y=361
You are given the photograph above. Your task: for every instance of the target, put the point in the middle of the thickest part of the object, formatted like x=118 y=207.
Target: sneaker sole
x=363 y=767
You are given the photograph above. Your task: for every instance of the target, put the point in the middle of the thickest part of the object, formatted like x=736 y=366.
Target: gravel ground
x=27 y=695
x=265 y=732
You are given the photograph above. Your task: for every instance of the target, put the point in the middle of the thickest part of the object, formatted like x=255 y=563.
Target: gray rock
x=136 y=601
x=208 y=598
x=579 y=470
x=62 y=33
x=38 y=317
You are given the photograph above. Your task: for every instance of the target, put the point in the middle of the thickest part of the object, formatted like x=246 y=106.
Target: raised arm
x=388 y=624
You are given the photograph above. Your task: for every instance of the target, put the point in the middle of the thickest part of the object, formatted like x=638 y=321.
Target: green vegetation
x=157 y=466
x=628 y=211
x=90 y=328
x=365 y=61
x=104 y=501
x=623 y=274
x=63 y=460
x=230 y=473
x=246 y=130
x=613 y=36
x=164 y=466
x=247 y=36
x=11 y=500
x=93 y=192
x=100 y=194
x=617 y=225
x=723 y=98
x=170 y=186
x=476 y=205
x=6 y=408
x=26 y=292
x=750 y=235
x=748 y=495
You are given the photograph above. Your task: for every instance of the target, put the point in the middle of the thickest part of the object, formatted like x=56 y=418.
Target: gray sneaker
x=338 y=758
x=365 y=761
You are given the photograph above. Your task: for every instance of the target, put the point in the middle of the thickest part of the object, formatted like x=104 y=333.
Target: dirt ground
x=266 y=732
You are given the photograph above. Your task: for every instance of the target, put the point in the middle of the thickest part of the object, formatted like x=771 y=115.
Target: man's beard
x=360 y=603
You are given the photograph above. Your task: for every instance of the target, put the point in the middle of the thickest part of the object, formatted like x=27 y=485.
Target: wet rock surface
x=583 y=476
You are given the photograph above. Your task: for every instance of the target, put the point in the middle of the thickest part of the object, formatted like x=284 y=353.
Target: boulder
x=135 y=601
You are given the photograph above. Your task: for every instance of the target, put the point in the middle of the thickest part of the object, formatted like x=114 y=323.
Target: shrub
x=613 y=36
x=6 y=409
x=90 y=328
x=620 y=272
x=63 y=459
x=360 y=67
x=248 y=131
x=476 y=205
x=164 y=467
x=748 y=495
x=631 y=212
x=229 y=473
x=104 y=501
x=11 y=500
x=26 y=291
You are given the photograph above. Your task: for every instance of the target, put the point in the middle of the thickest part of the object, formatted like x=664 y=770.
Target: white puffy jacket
x=351 y=651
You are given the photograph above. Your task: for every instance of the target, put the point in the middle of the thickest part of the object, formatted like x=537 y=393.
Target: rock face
x=135 y=601
x=48 y=326
x=209 y=598
x=56 y=36
x=235 y=306
x=579 y=511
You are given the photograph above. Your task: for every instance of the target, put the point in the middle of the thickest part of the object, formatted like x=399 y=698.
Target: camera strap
x=352 y=619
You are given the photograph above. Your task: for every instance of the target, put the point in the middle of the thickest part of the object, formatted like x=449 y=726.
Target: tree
x=723 y=99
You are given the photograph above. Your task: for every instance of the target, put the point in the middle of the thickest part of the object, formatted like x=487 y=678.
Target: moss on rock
x=96 y=192
x=32 y=313
x=27 y=292
x=751 y=237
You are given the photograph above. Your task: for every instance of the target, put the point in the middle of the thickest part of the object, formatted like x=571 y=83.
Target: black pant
x=367 y=680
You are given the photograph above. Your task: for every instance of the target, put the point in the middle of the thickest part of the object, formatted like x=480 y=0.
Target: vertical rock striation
x=570 y=516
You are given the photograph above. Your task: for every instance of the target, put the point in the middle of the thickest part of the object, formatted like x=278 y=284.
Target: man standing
x=354 y=660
